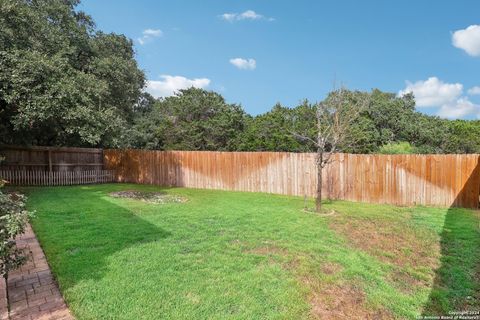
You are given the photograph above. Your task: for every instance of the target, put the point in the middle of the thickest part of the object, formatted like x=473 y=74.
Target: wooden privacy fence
x=50 y=158
x=443 y=180
x=52 y=166
x=56 y=178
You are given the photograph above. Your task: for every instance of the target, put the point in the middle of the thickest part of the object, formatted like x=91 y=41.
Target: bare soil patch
x=396 y=244
x=268 y=250
x=389 y=241
x=322 y=213
x=327 y=300
x=150 y=197
x=330 y=268
x=344 y=301
x=405 y=282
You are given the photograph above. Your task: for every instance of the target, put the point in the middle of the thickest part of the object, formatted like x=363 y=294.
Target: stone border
x=32 y=291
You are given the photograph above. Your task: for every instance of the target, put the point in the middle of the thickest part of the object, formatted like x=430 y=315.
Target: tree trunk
x=318 y=200
x=5 y=277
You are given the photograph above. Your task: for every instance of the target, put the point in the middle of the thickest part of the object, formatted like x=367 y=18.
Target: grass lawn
x=233 y=255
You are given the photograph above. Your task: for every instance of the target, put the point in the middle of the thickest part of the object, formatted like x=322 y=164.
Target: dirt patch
x=405 y=282
x=322 y=213
x=342 y=302
x=150 y=197
x=330 y=268
x=389 y=241
x=267 y=250
x=291 y=264
x=328 y=300
x=413 y=256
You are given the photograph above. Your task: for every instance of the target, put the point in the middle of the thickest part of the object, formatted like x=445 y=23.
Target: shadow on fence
x=394 y=179
x=456 y=286
x=146 y=167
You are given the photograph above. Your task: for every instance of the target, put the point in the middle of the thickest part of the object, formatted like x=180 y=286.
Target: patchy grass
x=151 y=197
x=232 y=255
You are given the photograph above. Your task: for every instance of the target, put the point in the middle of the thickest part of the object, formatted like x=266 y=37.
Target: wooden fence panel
x=50 y=158
x=56 y=178
x=443 y=180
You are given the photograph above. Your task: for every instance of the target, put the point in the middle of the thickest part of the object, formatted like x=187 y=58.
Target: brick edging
x=33 y=292
x=3 y=300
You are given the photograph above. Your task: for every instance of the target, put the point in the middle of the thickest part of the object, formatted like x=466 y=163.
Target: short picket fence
x=56 y=178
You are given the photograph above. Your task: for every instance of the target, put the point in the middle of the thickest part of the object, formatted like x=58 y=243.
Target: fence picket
x=451 y=180
x=56 y=178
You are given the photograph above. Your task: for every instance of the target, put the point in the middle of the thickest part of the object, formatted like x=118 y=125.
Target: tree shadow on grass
x=79 y=230
x=456 y=285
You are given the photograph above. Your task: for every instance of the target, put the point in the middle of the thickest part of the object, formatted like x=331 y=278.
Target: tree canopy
x=62 y=82
x=196 y=119
x=193 y=119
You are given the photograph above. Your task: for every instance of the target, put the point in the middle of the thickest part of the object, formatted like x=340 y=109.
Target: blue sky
x=257 y=53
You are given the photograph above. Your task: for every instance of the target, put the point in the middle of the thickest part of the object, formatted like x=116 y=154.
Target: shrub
x=397 y=148
x=13 y=220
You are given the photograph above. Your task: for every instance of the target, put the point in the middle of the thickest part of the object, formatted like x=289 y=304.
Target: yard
x=233 y=255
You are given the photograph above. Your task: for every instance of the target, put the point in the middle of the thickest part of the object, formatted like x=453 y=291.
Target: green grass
x=233 y=255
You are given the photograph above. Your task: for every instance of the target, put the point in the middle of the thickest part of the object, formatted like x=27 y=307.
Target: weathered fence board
x=56 y=178
x=50 y=158
x=443 y=180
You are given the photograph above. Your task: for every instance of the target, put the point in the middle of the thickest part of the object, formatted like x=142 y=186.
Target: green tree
x=390 y=120
x=397 y=148
x=273 y=131
x=62 y=82
x=192 y=119
x=463 y=137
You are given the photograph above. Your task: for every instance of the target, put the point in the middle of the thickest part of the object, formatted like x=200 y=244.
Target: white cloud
x=149 y=34
x=171 y=84
x=247 y=15
x=447 y=97
x=433 y=92
x=474 y=91
x=247 y=64
x=468 y=39
x=153 y=32
x=229 y=16
x=460 y=109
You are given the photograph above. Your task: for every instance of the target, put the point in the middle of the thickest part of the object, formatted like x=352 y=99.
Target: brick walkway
x=33 y=293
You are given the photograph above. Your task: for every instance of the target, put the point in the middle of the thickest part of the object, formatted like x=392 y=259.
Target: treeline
x=196 y=119
x=65 y=83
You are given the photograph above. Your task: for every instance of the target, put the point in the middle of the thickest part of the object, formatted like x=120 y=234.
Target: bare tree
x=334 y=118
